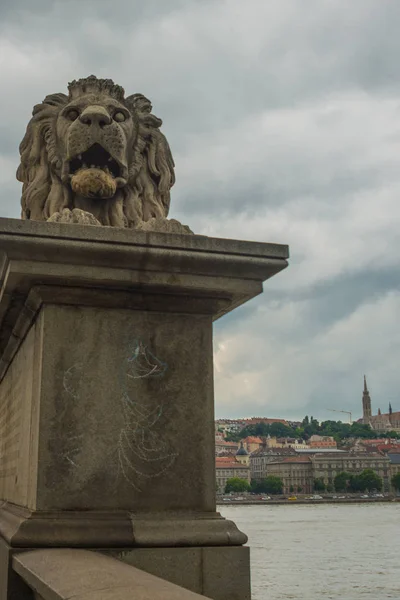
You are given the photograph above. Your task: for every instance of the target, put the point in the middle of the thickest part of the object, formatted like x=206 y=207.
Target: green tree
x=396 y=481
x=341 y=481
x=299 y=489
x=259 y=486
x=269 y=485
x=355 y=484
x=235 y=484
x=299 y=432
x=255 y=486
x=319 y=485
x=291 y=489
x=369 y=481
x=335 y=429
x=233 y=436
x=281 y=430
x=273 y=484
x=362 y=431
x=311 y=427
x=366 y=481
x=329 y=487
x=392 y=434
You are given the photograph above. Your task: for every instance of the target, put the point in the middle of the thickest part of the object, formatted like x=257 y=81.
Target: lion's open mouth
x=95 y=157
x=95 y=173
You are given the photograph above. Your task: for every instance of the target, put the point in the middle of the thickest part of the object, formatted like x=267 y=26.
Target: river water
x=322 y=552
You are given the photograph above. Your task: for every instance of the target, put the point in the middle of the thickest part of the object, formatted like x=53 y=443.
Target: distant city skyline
x=333 y=413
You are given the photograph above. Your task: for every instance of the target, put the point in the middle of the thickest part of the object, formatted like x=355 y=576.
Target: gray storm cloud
x=284 y=121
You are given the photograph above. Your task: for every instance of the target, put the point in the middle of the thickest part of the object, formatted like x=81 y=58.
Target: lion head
x=96 y=151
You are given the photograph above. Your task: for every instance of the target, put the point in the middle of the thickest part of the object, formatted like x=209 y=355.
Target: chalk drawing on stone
x=72 y=380
x=142 y=453
x=71 y=383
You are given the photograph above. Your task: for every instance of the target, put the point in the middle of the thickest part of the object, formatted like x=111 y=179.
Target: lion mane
x=146 y=194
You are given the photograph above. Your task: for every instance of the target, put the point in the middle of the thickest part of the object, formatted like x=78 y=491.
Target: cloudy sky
x=284 y=121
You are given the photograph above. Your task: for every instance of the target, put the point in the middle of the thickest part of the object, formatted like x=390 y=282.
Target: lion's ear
x=56 y=99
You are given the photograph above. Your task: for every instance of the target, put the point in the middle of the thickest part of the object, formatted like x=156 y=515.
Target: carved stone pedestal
x=106 y=393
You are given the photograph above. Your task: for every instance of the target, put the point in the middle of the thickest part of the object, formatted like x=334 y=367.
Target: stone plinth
x=106 y=393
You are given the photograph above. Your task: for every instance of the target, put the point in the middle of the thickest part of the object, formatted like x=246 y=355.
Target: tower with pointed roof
x=366 y=402
x=381 y=422
x=242 y=455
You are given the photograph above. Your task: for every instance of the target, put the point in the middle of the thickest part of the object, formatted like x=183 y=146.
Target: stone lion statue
x=95 y=157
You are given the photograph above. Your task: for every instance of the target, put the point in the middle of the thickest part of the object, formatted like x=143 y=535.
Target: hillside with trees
x=310 y=426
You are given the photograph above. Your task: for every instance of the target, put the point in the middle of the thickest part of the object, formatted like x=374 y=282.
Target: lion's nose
x=96 y=116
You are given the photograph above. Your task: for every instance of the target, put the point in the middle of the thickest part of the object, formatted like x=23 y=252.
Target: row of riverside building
x=298 y=463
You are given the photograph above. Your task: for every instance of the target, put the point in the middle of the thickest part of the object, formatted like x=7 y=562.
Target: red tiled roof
x=223 y=462
x=226 y=444
x=251 y=439
x=388 y=447
x=374 y=441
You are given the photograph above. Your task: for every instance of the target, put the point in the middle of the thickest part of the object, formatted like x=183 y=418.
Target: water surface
x=325 y=551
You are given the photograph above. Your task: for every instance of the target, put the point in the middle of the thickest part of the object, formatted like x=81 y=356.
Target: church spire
x=390 y=409
x=366 y=403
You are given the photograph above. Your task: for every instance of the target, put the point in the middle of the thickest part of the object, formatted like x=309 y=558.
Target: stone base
x=220 y=573
x=23 y=528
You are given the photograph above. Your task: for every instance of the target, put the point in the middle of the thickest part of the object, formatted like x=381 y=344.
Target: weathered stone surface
x=164 y=226
x=12 y=587
x=106 y=376
x=75 y=216
x=222 y=573
x=18 y=425
x=118 y=390
x=119 y=415
x=64 y=574
x=217 y=275
x=227 y=573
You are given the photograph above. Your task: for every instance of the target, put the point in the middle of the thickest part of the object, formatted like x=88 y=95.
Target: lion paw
x=164 y=226
x=76 y=216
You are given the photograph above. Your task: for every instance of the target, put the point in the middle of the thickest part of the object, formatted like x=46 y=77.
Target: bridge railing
x=62 y=574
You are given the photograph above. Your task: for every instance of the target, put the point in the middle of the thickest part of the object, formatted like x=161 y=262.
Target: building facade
x=394 y=458
x=223 y=447
x=227 y=467
x=251 y=443
x=326 y=466
x=261 y=459
x=229 y=425
x=322 y=441
x=296 y=473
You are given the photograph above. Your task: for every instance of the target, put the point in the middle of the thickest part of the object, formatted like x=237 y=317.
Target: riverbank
x=233 y=502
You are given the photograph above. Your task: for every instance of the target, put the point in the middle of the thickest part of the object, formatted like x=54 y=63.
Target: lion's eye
x=119 y=117
x=72 y=114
